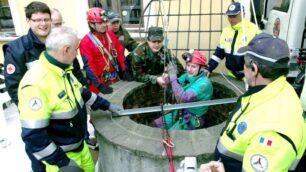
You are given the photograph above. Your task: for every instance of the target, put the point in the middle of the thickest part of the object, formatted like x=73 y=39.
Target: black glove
x=105 y=89
x=127 y=76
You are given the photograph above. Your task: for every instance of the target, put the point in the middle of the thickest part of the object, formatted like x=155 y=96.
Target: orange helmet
x=96 y=15
x=196 y=57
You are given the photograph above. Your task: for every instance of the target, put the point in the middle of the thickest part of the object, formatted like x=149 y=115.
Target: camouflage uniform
x=122 y=34
x=126 y=40
x=147 y=66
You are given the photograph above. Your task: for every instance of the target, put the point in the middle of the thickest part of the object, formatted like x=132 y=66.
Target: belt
x=109 y=76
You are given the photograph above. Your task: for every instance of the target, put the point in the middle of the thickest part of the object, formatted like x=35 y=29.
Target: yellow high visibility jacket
x=303 y=95
x=266 y=132
x=52 y=112
x=231 y=39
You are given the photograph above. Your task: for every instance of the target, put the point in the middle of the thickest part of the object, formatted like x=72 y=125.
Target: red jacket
x=95 y=61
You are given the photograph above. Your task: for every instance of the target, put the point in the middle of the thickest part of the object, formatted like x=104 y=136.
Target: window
x=279 y=5
x=130 y=10
x=6 y=22
x=282 y=5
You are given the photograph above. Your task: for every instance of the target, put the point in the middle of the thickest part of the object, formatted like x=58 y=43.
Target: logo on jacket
x=228 y=39
x=265 y=141
x=259 y=163
x=35 y=103
x=242 y=126
x=10 y=68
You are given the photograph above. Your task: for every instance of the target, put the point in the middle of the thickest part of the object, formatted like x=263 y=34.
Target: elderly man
x=56 y=17
x=238 y=34
x=266 y=131
x=52 y=106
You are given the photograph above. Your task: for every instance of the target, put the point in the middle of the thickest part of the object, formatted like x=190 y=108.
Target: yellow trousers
x=82 y=158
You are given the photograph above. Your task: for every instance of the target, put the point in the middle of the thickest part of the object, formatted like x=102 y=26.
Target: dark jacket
x=19 y=57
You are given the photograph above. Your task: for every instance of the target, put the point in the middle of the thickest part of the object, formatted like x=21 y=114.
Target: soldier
x=114 y=24
x=149 y=58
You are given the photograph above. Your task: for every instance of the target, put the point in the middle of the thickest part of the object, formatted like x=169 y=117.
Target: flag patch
x=265 y=141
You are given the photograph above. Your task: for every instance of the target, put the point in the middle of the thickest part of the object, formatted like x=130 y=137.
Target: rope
x=241 y=92
x=167 y=143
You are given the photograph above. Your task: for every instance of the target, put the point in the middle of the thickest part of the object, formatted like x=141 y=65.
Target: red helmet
x=196 y=57
x=96 y=15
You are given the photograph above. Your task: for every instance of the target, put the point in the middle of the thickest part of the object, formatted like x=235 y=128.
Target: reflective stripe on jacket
x=19 y=57
x=266 y=131
x=52 y=112
x=232 y=38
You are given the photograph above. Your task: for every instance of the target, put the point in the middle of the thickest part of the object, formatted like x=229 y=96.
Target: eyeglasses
x=46 y=20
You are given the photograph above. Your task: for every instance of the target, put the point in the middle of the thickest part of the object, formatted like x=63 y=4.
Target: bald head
x=56 y=17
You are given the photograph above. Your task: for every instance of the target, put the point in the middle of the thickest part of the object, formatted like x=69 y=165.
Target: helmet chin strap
x=95 y=28
x=199 y=71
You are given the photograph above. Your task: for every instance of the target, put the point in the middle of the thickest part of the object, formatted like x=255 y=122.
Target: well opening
x=152 y=95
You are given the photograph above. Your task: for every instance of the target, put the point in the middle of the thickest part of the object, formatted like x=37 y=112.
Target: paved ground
x=13 y=157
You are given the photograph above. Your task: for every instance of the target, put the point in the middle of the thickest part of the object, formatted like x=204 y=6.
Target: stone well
x=127 y=145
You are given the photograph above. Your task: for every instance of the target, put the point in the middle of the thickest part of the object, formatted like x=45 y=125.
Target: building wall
x=73 y=12
x=74 y=15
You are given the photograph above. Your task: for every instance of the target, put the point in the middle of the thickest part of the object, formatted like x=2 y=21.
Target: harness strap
x=98 y=44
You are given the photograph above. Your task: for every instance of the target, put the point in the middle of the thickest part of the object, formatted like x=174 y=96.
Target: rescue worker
x=57 y=21
x=102 y=53
x=56 y=18
x=233 y=37
x=303 y=101
x=52 y=106
x=192 y=86
x=20 y=54
x=149 y=58
x=114 y=24
x=266 y=131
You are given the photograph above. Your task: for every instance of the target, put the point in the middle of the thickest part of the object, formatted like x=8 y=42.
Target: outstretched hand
x=115 y=109
x=212 y=166
x=171 y=68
